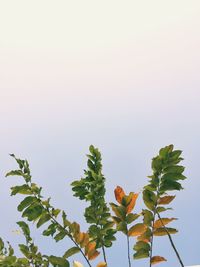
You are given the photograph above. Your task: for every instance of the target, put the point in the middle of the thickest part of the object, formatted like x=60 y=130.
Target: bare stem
x=128 y=247
x=171 y=241
x=151 y=243
x=104 y=254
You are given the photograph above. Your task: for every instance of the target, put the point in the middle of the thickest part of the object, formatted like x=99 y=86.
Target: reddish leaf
x=119 y=194
x=131 y=204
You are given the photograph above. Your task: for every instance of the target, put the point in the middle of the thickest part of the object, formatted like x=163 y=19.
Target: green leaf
x=32 y=212
x=141 y=254
x=25 y=229
x=147 y=217
x=165 y=151
x=141 y=245
x=15 y=173
x=21 y=189
x=25 y=250
x=71 y=252
x=26 y=202
x=172 y=176
x=132 y=217
x=174 y=169
x=58 y=261
x=162 y=209
x=170 y=185
x=60 y=236
x=55 y=212
x=122 y=227
x=45 y=217
x=149 y=199
x=156 y=164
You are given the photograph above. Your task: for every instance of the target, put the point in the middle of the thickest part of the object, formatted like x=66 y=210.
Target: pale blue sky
x=122 y=75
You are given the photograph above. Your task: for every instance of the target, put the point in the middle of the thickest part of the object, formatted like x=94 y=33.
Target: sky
x=121 y=75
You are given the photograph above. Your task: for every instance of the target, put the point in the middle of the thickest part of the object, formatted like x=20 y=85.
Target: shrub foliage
x=104 y=220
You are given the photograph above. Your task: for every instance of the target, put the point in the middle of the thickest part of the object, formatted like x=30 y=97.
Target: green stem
x=171 y=241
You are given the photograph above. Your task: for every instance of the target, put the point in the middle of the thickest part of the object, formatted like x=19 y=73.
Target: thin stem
x=171 y=241
x=151 y=243
x=104 y=254
x=128 y=247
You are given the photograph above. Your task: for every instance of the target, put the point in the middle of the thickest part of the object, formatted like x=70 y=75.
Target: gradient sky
x=122 y=75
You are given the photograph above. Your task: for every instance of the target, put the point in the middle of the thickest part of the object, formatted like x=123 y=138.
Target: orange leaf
x=93 y=254
x=137 y=229
x=79 y=237
x=165 y=200
x=131 y=205
x=119 y=194
x=101 y=264
x=165 y=221
x=157 y=259
x=85 y=240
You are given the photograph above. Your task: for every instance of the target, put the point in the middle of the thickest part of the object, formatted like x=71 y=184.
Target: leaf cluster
x=91 y=188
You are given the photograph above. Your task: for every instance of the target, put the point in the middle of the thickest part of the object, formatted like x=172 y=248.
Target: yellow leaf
x=77 y=264
x=162 y=231
x=137 y=229
x=119 y=194
x=85 y=240
x=157 y=259
x=160 y=223
x=101 y=264
x=165 y=200
x=131 y=204
x=79 y=238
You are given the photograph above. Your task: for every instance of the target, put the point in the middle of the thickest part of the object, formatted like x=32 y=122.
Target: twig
x=128 y=245
x=170 y=239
